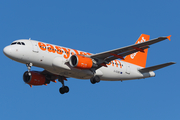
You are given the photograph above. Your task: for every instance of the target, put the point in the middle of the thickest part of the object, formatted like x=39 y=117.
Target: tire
x=92 y=80
x=97 y=79
x=61 y=90
x=66 y=89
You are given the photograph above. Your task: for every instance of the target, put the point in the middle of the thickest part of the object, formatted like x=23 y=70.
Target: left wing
x=122 y=52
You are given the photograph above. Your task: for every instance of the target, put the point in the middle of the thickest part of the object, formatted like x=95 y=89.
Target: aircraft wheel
x=92 y=80
x=95 y=79
x=64 y=89
x=61 y=90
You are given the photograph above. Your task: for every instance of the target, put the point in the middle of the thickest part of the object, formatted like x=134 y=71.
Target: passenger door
x=35 y=46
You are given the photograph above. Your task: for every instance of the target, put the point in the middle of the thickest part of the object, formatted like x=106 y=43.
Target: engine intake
x=81 y=62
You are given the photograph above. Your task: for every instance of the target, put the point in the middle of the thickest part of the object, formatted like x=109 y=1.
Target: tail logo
x=140 y=41
x=133 y=55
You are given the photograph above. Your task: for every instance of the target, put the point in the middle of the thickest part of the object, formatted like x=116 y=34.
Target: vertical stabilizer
x=139 y=58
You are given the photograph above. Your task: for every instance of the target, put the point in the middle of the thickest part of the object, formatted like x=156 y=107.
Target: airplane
x=126 y=63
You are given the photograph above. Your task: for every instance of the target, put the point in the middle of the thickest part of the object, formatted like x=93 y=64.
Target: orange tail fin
x=139 y=58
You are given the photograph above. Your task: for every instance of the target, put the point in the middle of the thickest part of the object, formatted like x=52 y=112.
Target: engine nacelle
x=81 y=62
x=36 y=78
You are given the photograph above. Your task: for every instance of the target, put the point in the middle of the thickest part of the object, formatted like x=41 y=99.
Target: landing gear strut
x=29 y=65
x=63 y=89
x=95 y=79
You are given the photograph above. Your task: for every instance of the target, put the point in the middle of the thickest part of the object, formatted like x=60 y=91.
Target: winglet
x=169 y=37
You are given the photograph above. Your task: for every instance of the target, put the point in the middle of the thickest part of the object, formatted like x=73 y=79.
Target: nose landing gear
x=63 y=89
x=29 y=65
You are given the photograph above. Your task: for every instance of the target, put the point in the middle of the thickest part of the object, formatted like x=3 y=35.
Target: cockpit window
x=19 y=43
x=13 y=43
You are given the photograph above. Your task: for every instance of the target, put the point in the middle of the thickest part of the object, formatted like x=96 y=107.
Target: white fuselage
x=55 y=59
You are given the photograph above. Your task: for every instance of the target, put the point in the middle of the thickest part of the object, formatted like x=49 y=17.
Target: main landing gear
x=63 y=89
x=95 y=79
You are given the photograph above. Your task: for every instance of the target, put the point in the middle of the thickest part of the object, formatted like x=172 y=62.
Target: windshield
x=18 y=43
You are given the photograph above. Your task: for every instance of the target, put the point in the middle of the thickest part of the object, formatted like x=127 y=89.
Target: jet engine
x=81 y=62
x=35 y=78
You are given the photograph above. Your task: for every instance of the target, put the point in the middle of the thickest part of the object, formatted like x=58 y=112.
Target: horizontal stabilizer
x=156 y=67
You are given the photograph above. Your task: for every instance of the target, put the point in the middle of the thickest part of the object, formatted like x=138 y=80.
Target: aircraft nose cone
x=7 y=51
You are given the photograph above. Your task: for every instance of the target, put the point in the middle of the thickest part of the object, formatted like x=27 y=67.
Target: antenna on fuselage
x=29 y=38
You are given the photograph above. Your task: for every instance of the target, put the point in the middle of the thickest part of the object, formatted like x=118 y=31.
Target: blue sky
x=93 y=26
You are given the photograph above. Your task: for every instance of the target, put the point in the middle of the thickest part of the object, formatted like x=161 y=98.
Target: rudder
x=139 y=58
